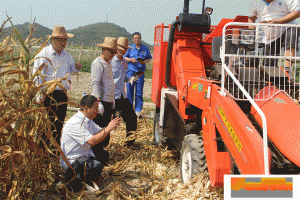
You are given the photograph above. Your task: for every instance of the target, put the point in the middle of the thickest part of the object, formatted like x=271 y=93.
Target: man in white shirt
x=122 y=104
x=79 y=134
x=55 y=62
x=103 y=86
x=278 y=12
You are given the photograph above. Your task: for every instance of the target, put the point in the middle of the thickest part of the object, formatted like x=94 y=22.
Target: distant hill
x=87 y=35
x=40 y=32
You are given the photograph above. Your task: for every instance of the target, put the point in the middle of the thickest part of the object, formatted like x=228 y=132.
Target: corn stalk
x=27 y=165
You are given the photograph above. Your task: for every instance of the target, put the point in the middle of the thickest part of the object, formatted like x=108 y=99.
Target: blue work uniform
x=143 y=53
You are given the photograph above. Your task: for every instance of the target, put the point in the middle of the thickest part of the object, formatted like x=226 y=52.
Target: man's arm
x=251 y=20
x=145 y=61
x=96 y=75
x=127 y=57
x=39 y=64
x=100 y=136
x=286 y=19
x=75 y=67
x=133 y=60
x=148 y=57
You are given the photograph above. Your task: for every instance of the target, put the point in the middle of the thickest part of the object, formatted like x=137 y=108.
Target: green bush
x=148 y=72
x=86 y=65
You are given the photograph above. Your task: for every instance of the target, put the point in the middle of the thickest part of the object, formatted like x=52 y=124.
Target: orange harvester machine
x=188 y=101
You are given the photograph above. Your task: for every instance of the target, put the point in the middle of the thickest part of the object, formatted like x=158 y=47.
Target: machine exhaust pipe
x=186 y=6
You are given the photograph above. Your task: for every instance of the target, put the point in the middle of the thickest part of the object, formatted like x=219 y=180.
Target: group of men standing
x=85 y=134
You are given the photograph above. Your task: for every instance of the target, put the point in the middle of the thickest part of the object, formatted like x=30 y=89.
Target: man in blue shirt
x=137 y=59
x=122 y=104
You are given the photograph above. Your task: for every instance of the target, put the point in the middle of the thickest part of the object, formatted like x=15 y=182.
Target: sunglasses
x=61 y=39
x=111 y=51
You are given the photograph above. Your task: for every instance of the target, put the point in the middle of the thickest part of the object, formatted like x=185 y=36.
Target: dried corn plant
x=26 y=165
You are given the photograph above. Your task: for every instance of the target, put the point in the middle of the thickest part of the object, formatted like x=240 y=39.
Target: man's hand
x=145 y=61
x=113 y=124
x=142 y=62
x=133 y=60
x=78 y=66
x=274 y=21
x=100 y=108
x=132 y=79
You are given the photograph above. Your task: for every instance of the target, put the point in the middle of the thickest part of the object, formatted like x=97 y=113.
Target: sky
x=133 y=15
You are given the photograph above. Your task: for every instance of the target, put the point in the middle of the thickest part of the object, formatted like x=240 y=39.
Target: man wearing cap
x=122 y=104
x=103 y=88
x=55 y=62
x=137 y=59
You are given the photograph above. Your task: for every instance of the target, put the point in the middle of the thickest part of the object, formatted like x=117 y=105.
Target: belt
x=60 y=91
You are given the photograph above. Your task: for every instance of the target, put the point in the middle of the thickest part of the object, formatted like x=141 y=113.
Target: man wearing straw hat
x=103 y=88
x=122 y=104
x=58 y=63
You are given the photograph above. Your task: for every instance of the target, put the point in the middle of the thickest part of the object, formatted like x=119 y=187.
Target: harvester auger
x=222 y=100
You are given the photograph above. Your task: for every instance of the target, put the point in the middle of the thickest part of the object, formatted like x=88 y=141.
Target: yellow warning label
x=230 y=129
x=195 y=86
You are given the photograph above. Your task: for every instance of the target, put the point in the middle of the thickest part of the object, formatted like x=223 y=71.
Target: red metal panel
x=159 y=64
x=198 y=91
x=283 y=123
x=241 y=138
x=156 y=72
x=218 y=163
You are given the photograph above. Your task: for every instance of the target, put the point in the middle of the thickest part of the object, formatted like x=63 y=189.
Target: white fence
x=264 y=57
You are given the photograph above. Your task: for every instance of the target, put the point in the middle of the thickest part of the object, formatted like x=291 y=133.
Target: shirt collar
x=135 y=46
x=83 y=117
x=266 y=2
x=115 y=58
x=103 y=61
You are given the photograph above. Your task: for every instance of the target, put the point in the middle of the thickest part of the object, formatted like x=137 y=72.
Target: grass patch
x=148 y=72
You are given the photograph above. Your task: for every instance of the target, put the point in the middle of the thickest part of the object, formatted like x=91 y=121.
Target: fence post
x=95 y=56
x=80 y=54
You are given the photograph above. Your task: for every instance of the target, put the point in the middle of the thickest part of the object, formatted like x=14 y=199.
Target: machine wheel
x=192 y=157
x=159 y=138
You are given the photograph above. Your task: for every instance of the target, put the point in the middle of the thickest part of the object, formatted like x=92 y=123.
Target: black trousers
x=124 y=107
x=87 y=169
x=103 y=121
x=60 y=112
x=287 y=40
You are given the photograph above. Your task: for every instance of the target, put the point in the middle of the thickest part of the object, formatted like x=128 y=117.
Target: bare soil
x=82 y=83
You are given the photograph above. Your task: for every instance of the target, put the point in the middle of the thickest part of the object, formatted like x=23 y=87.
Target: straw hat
x=110 y=43
x=123 y=43
x=60 y=32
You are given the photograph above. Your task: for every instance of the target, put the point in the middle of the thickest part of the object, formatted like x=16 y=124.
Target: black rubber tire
x=192 y=157
x=159 y=138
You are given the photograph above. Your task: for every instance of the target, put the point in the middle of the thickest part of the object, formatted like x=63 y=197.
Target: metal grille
x=264 y=59
x=158 y=33
x=166 y=34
